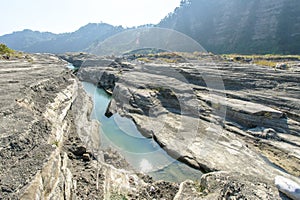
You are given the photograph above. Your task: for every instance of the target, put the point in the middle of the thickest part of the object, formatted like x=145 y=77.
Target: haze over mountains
x=228 y=26
x=45 y=42
x=220 y=26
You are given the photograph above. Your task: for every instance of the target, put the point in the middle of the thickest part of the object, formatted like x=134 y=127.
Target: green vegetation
x=199 y=188
x=7 y=54
x=116 y=196
x=143 y=59
x=268 y=60
x=147 y=51
x=166 y=57
x=268 y=115
x=167 y=60
x=5 y=50
x=55 y=143
x=216 y=106
x=262 y=57
x=265 y=63
x=158 y=88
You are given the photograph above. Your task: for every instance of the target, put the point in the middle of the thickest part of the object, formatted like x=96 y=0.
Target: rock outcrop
x=225 y=185
x=49 y=147
x=37 y=118
x=241 y=138
x=212 y=114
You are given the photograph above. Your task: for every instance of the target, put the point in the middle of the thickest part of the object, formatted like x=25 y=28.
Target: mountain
x=23 y=40
x=220 y=26
x=45 y=42
x=239 y=26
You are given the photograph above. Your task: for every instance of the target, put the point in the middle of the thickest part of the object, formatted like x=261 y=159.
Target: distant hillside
x=240 y=26
x=34 y=41
x=23 y=40
x=220 y=26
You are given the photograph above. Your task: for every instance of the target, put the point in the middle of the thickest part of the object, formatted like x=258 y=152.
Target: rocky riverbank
x=49 y=147
x=215 y=115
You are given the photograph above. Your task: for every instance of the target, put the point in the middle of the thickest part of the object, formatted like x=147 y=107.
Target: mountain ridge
x=220 y=26
x=247 y=27
x=46 y=42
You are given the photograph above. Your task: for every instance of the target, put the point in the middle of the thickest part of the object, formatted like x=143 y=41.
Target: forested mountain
x=220 y=26
x=34 y=41
x=240 y=26
x=23 y=40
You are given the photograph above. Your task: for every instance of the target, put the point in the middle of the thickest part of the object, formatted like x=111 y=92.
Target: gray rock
x=86 y=157
x=282 y=66
x=207 y=127
x=288 y=187
x=226 y=185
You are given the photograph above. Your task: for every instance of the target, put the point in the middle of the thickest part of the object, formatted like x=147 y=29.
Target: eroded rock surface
x=49 y=147
x=226 y=185
x=212 y=114
x=241 y=137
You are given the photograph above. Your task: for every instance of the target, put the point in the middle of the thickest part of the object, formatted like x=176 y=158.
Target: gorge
x=51 y=144
x=143 y=154
x=203 y=105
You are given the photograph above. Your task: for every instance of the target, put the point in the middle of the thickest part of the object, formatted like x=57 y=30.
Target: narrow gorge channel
x=143 y=154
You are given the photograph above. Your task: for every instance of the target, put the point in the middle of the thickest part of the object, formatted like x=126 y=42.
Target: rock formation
x=238 y=123
x=248 y=127
x=49 y=147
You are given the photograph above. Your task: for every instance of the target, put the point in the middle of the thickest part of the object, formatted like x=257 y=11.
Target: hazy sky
x=68 y=15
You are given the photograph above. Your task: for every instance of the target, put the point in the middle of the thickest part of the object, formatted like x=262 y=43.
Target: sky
x=59 y=16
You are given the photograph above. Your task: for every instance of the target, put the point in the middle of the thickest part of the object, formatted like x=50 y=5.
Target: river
x=143 y=154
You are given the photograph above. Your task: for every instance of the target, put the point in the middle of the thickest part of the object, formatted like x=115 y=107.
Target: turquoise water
x=70 y=66
x=143 y=154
